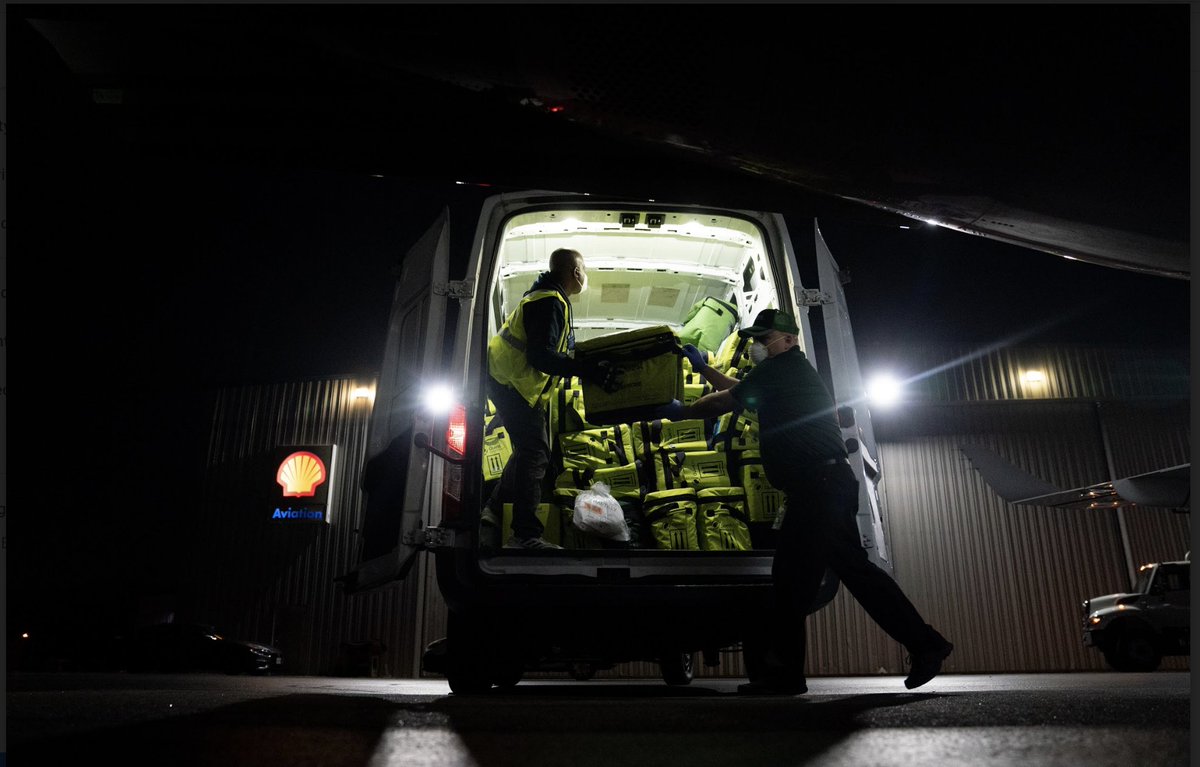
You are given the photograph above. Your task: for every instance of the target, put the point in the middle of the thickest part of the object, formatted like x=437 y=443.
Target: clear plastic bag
x=597 y=512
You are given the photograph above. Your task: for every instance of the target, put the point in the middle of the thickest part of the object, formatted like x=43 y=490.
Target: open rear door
x=848 y=390
x=397 y=477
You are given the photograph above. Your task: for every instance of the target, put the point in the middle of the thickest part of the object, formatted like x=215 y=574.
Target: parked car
x=173 y=647
x=1136 y=629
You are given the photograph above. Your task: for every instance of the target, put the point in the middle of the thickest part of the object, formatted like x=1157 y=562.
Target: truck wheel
x=1134 y=650
x=507 y=674
x=468 y=681
x=678 y=668
x=466 y=670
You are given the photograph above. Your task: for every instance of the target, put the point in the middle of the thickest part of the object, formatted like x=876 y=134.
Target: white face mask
x=582 y=280
x=758 y=353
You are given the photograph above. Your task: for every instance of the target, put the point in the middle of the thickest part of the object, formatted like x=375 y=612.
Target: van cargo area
x=691 y=567
x=691 y=491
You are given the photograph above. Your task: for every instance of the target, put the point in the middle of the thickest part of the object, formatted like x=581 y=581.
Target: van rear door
x=397 y=477
x=848 y=390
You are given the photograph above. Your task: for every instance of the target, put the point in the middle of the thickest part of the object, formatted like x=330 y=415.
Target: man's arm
x=710 y=405
x=719 y=380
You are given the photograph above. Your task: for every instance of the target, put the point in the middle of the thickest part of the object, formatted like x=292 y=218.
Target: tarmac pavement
x=1093 y=719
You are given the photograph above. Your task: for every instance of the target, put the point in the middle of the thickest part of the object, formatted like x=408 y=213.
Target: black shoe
x=926 y=665
x=772 y=688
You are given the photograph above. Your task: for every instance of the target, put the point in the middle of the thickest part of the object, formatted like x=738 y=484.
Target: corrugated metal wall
x=1004 y=583
x=275 y=583
x=940 y=374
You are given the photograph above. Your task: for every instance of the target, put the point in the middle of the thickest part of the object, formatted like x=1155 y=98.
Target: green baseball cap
x=768 y=320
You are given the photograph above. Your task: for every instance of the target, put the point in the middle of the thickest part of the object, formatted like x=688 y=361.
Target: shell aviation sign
x=304 y=478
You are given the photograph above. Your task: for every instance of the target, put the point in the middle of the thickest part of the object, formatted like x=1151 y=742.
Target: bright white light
x=883 y=390
x=439 y=399
x=933 y=222
x=361 y=392
x=1033 y=377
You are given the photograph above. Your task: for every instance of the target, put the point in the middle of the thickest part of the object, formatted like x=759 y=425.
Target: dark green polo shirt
x=796 y=419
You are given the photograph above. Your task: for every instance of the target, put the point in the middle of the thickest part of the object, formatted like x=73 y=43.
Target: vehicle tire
x=507 y=674
x=466 y=670
x=678 y=668
x=1134 y=650
x=468 y=681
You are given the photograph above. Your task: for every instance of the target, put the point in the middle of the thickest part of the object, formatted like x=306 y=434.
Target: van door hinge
x=430 y=538
x=459 y=289
x=814 y=297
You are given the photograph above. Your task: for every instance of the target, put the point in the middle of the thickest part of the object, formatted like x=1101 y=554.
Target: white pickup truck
x=1135 y=630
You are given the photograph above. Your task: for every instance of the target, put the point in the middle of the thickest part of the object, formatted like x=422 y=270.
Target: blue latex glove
x=672 y=411
x=698 y=358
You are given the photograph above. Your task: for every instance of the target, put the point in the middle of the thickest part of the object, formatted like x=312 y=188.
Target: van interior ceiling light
x=439 y=399
x=1033 y=377
x=361 y=392
x=883 y=390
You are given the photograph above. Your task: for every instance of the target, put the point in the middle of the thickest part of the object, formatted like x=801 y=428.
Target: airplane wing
x=1167 y=488
x=1004 y=122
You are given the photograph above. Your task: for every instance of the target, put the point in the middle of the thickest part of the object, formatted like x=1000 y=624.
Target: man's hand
x=672 y=411
x=698 y=358
x=606 y=375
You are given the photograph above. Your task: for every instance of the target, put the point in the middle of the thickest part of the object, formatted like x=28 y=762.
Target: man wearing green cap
x=804 y=456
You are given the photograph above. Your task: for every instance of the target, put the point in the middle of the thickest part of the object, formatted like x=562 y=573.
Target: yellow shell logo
x=300 y=473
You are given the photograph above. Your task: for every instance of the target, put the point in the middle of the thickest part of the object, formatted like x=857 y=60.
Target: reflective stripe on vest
x=507 y=362
x=516 y=343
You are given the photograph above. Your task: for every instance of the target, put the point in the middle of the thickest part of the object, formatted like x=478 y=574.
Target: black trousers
x=818 y=531
x=521 y=481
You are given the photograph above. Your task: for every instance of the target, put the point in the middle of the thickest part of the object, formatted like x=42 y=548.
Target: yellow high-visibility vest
x=507 y=362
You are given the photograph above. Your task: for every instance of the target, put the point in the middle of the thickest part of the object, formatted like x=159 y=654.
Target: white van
x=576 y=609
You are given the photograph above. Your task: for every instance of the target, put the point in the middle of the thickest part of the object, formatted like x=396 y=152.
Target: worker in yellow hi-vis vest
x=533 y=349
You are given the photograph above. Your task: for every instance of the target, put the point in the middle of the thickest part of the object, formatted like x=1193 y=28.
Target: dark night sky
x=151 y=276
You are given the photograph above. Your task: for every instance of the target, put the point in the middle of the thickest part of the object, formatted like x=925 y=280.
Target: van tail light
x=456 y=430
x=452 y=475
